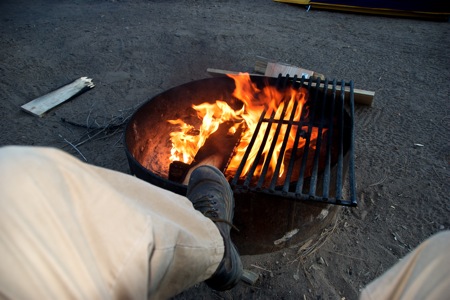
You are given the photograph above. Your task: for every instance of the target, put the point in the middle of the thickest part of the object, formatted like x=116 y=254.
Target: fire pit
x=286 y=165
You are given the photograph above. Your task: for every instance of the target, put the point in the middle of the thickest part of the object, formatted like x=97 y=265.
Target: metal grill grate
x=330 y=107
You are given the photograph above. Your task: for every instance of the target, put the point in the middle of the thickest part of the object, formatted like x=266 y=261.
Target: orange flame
x=187 y=140
x=273 y=100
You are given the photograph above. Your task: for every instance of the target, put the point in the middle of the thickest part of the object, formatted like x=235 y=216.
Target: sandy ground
x=136 y=49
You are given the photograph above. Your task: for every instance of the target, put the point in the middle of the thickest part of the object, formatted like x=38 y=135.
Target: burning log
x=215 y=152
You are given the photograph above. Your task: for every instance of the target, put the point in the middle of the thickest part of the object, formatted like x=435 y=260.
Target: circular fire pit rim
x=145 y=173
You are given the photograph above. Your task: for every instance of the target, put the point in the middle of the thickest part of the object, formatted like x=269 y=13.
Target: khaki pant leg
x=69 y=230
x=422 y=274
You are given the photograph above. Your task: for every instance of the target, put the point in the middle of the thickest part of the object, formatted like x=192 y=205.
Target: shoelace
x=207 y=202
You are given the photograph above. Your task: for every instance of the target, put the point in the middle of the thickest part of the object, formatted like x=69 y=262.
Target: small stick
x=258 y=267
x=120 y=139
x=74 y=147
x=380 y=181
x=344 y=255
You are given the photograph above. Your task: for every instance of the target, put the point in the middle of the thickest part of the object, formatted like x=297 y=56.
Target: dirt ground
x=136 y=49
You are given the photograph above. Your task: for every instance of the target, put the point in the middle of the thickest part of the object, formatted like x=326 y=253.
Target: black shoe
x=211 y=194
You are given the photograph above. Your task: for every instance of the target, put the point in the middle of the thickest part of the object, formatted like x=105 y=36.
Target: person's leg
x=211 y=194
x=422 y=274
x=72 y=230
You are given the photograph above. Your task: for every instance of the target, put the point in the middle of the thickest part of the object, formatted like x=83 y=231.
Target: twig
x=95 y=131
x=118 y=140
x=325 y=239
x=436 y=173
x=380 y=181
x=258 y=267
x=90 y=111
x=108 y=135
x=74 y=147
x=109 y=126
x=306 y=276
x=377 y=271
x=319 y=243
x=344 y=255
x=89 y=138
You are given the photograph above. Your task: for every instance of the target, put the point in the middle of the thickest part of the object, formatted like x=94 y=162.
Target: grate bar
x=247 y=152
x=260 y=151
x=272 y=147
x=281 y=81
x=300 y=181
x=340 y=162
x=351 y=166
x=298 y=134
x=313 y=183
x=327 y=170
x=283 y=147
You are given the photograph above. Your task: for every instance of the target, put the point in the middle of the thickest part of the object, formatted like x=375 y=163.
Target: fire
x=188 y=140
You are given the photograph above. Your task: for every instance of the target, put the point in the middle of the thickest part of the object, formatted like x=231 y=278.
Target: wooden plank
x=273 y=68
x=42 y=104
x=364 y=97
x=261 y=64
x=219 y=72
x=360 y=96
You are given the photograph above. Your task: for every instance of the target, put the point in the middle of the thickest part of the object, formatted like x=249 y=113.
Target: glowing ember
x=188 y=140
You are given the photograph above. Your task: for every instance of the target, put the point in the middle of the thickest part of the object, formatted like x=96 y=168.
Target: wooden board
x=41 y=105
x=272 y=68
x=360 y=96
